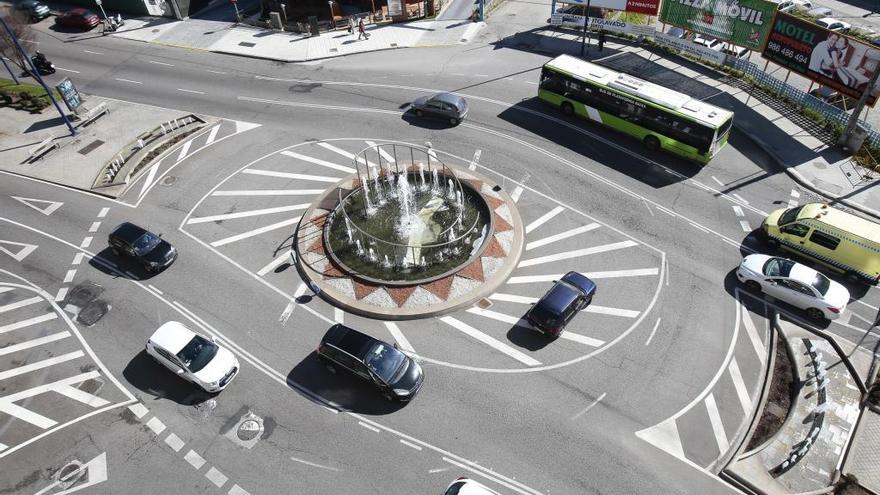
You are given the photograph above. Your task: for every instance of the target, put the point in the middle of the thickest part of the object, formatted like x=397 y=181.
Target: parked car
x=149 y=249
x=79 y=18
x=677 y=32
x=193 y=357
x=786 y=5
x=394 y=373
x=446 y=106
x=707 y=42
x=832 y=97
x=570 y=294
x=466 y=486
x=820 y=12
x=35 y=10
x=733 y=50
x=795 y=284
x=833 y=24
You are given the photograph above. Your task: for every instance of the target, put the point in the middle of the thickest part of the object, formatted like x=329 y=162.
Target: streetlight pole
x=36 y=74
x=586 y=22
x=332 y=20
x=854 y=117
x=101 y=6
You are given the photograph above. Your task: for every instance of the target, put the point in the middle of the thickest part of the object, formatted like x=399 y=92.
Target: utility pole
x=36 y=74
x=101 y=6
x=11 y=73
x=586 y=22
x=854 y=117
x=482 y=11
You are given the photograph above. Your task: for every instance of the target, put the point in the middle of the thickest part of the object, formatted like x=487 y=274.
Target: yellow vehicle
x=833 y=237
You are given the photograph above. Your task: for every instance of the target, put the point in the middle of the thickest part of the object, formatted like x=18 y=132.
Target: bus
x=661 y=118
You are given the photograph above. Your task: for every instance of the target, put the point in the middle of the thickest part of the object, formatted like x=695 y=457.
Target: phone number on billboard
x=787 y=52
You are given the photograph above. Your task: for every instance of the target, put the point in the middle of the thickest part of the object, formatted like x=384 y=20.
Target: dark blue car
x=558 y=306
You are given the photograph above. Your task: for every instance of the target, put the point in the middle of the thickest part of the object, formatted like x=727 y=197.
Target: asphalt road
x=586 y=420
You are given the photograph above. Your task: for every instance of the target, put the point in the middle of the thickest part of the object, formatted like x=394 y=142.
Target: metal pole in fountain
x=435 y=188
x=348 y=229
x=422 y=174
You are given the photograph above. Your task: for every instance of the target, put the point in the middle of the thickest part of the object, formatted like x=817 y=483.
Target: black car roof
x=128 y=232
x=448 y=98
x=348 y=339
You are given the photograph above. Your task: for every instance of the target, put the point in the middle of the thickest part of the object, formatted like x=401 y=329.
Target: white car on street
x=795 y=284
x=193 y=357
x=833 y=24
x=465 y=486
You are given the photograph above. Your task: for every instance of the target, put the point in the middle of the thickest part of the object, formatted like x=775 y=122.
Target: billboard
x=827 y=57
x=649 y=7
x=690 y=48
x=596 y=24
x=744 y=23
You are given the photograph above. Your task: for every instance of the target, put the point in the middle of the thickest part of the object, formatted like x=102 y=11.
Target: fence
x=802 y=98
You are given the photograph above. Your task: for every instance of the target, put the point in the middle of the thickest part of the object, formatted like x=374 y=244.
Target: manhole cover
x=84 y=293
x=70 y=474
x=93 y=312
x=168 y=180
x=249 y=430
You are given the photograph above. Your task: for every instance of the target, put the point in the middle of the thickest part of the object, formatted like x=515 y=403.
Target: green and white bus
x=660 y=117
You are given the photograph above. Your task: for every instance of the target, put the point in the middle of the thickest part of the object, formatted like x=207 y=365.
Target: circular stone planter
x=455 y=287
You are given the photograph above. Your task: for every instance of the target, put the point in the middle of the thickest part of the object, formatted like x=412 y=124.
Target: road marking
x=740 y=198
x=47 y=210
x=544 y=219
x=410 y=444
x=149 y=181
x=194 y=459
x=648 y=207
x=475 y=160
x=737 y=209
x=94 y=228
x=318 y=161
x=20 y=304
x=102 y=214
x=237 y=490
x=184 y=150
x=602 y=310
x=33 y=343
x=563 y=235
x=350 y=156
x=490 y=341
x=338 y=315
x=40 y=364
x=26 y=323
x=128 y=81
x=215 y=476
x=68 y=277
x=665 y=210
x=740 y=386
x=138 y=409
x=523 y=491
x=86 y=242
x=384 y=154
x=159 y=63
x=517 y=192
x=533 y=83
x=584 y=411
x=184 y=90
x=22 y=253
x=77 y=258
x=288 y=175
x=216 y=71
x=576 y=253
x=156 y=425
x=513 y=298
x=307 y=463
x=213 y=134
x=93 y=53
x=157 y=291
x=251 y=233
x=793 y=201
x=369 y=427
x=249 y=213
x=745 y=226
x=67 y=70
x=270 y=192
x=399 y=337
x=62 y=293
x=656 y=325
x=435 y=471
x=717 y=425
x=717 y=181
x=752 y=332
x=699 y=227
x=520 y=322
x=636 y=272
x=174 y=442
x=38 y=420
x=274 y=263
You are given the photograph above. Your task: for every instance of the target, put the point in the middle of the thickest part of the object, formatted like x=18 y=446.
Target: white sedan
x=193 y=357
x=465 y=486
x=795 y=284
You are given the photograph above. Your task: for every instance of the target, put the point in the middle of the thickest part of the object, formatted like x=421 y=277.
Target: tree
x=18 y=22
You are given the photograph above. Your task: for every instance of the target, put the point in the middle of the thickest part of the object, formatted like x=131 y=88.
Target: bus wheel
x=651 y=142
x=567 y=108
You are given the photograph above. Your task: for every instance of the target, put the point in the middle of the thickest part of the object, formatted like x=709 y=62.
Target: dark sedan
x=34 y=9
x=79 y=18
x=572 y=293
x=445 y=106
x=149 y=249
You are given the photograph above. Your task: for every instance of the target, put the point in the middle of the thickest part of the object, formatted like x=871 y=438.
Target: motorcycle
x=43 y=65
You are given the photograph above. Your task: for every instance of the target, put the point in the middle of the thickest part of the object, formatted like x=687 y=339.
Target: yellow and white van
x=833 y=237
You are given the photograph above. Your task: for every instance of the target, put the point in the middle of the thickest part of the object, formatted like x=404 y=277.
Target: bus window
x=795 y=229
x=824 y=240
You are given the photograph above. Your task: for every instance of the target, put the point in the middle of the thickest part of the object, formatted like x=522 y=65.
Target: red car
x=81 y=18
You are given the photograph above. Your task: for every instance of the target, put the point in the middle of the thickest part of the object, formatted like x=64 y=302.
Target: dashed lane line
x=194 y=459
x=154 y=62
x=215 y=476
x=191 y=91
x=127 y=80
x=369 y=427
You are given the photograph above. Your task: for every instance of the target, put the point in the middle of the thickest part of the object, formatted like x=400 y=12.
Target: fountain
x=408 y=226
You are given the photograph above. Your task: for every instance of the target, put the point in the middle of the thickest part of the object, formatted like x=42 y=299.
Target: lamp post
x=332 y=20
x=586 y=23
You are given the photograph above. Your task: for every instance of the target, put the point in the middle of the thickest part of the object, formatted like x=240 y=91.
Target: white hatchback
x=795 y=284
x=465 y=486
x=193 y=357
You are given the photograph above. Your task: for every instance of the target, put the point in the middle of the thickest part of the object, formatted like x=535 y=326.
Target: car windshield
x=778 y=267
x=821 y=283
x=384 y=361
x=197 y=353
x=146 y=243
x=790 y=215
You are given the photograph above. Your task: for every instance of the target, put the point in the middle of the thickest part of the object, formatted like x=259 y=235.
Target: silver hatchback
x=444 y=106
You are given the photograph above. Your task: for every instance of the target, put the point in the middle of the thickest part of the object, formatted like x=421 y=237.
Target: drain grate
x=90 y=147
x=93 y=312
x=247 y=44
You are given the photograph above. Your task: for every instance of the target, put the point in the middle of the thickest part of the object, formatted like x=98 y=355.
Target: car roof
x=172 y=336
x=348 y=339
x=447 y=98
x=559 y=297
x=128 y=232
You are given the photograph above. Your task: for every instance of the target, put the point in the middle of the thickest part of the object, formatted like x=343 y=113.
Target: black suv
x=153 y=252
x=393 y=372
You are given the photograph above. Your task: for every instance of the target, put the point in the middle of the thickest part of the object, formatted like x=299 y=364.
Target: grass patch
x=9 y=87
